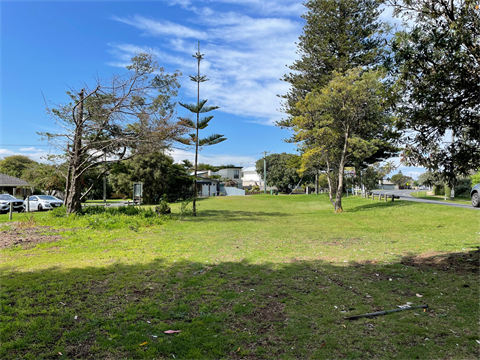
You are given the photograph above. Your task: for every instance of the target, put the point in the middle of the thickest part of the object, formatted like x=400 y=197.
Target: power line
x=25 y=145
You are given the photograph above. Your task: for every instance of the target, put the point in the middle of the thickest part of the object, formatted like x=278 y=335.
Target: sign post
x=137 y=193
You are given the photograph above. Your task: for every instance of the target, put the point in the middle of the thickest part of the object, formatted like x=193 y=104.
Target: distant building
x=14 y=186
x=250 y=177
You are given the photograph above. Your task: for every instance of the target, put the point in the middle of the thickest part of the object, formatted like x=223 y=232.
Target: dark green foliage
x=280 y=172
x=16 y=165
x=463 y=187
x=436 y=63
x=338 y=35
x=118 y=210
x=158 y=172
x=399 y=179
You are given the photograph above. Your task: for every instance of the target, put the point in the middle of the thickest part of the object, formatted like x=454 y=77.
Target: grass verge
x=458 y=200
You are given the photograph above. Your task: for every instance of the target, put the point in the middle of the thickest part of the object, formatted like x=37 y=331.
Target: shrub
x=463 y=187
x=184 y=209
x=231 y=183
x=163 y=207
x=100 y=217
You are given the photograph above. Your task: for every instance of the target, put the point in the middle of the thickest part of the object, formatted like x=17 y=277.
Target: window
x=236 y=174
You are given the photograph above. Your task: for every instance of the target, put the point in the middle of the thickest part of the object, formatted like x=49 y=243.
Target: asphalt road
x=406 y=195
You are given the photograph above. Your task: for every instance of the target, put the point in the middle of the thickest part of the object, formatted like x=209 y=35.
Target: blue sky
x=49 y=47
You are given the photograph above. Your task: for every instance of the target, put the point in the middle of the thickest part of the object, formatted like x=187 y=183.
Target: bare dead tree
x=120 y=117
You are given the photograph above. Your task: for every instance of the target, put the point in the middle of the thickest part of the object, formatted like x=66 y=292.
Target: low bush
x=106 y=218
x=163 y=208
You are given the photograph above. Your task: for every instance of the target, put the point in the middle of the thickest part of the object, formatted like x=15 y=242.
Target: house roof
x=250 y=168
x=6 y=180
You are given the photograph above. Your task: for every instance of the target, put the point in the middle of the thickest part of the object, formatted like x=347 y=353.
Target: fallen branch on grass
x=386 y=312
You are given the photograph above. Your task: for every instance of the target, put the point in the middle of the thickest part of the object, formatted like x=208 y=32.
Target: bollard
x=11 y=211
x=28 y=203
x=379 y=197
x=385 y=197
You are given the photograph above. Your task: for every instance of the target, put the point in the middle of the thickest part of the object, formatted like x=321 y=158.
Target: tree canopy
x=16 y=165
x=280 y=172
x=338 y=35
x=158 y=173
x=436 y=63
x=344 y=122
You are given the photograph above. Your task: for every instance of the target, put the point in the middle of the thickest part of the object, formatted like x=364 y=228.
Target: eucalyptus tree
x=114 y=120
x=200 y=124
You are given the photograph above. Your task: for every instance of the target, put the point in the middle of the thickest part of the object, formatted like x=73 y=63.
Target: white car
x=43 y=202
x=6 y=200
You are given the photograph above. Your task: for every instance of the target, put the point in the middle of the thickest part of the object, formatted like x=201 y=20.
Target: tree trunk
x=73 y=203
x=341 y=170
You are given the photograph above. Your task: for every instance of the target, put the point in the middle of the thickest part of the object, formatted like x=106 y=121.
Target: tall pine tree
x=200 y=124
x=338 y=35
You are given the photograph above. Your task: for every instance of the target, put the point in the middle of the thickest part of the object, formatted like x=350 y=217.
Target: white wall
x=231 y=191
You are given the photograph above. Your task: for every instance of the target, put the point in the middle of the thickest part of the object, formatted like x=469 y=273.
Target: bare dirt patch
x=457 y=262
x=27 y=237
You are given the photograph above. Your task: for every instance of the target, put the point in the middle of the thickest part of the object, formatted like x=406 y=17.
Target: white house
x=250 y=177
x=232 y=173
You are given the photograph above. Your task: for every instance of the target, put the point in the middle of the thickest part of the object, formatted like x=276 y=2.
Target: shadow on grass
x=243 y=310
x=375 y=205
x=238 y=215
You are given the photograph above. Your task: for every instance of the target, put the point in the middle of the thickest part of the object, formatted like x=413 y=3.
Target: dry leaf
x=344 y=326
x=418 y=295
x=145 y=343
x=323 y=345
x=172 y=331
x=59 y=353
x=238 y=350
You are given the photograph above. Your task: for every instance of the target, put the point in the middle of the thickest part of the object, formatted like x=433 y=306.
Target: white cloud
x=6 y=152
x=33 y=153
x=245 y=57
x=269 y=7
x=239 y=160
x=164 y=27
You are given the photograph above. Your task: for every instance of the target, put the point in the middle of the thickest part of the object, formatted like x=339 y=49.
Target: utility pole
x=452 y=192
x=105 y=184
x=265 y=171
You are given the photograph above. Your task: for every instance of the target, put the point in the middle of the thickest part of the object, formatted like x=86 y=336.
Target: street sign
x=137 y=193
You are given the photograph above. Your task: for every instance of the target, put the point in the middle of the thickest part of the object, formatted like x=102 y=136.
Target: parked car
x=6 y=199
x=475 y=195
x=43 y=202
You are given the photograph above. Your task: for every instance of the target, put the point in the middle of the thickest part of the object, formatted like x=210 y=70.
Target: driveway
x=406 y=195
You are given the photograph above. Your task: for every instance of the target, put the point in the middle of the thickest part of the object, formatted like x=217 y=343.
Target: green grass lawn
x=250 y=277
x=458 y=200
